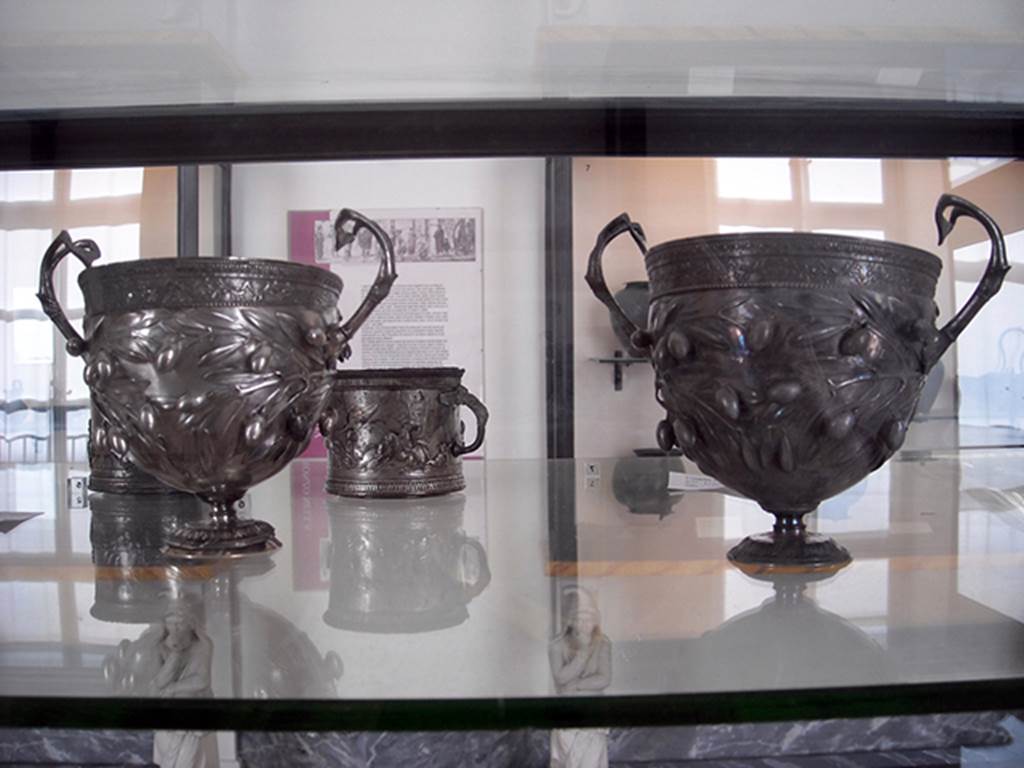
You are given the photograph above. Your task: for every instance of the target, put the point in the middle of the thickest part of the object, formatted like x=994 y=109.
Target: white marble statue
x=581 y=662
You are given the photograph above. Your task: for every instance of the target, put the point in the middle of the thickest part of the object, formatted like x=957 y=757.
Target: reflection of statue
x=581 y=662
x=185 y=653
x=170 y=659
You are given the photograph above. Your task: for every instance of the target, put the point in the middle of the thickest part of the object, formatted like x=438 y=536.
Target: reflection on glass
x=640 y=483
x=402 y=566
x=284 y=663
x=105 y=182
x=128 y=533
x=788 y=640
x=990 y=353
x=836 y=180
x=29 y=488
x=580 y=657
x=754 y=178
x=24 y=186
x=171 y=659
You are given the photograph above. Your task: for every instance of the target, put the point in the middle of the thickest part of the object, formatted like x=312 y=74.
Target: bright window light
x=754 y=178
x=21 y=186
x=732 y=229
x=845 y=181
x=963 y=169
x=105 y=182
x=116 y=243
x=20 y=252
x=871 y=234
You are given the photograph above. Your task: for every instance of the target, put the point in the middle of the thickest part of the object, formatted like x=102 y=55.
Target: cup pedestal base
x=789 y=546
x=223 y=536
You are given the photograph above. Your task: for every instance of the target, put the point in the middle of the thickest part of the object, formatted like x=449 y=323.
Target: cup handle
x=991 y=280
x=386 y=274
x=471 y=589
x=464 y=397
x=87 y=252
x=640 y=339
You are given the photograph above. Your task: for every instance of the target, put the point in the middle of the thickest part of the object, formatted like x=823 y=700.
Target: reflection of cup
x=789 y=638
x=641 y=482
x=290 y=665
x=405 y=567
x=128 y=533
x=396 y=432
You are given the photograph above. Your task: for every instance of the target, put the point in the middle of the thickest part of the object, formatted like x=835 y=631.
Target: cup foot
x=775 y=552
x=214 y=540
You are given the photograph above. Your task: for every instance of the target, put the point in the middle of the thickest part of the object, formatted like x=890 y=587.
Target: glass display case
x=493 y=144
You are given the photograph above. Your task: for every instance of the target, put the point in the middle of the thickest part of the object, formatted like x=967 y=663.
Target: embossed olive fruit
x=678 y=344
x=665 y=435
x=191 y=402
x=117 y=443
x=641 y=340
x=760 y=334
x=147 y=417
x=255 y=428
x=686 y=435
x=316 y=337
x=327 y=421
x=894 y=433
x=841 y=425
x=785 y=392
x=862 y=342
x=258 y=361
x=167 y=359
x=98 y=371
x=298 y=426
x=728 y=402
x=99 y=438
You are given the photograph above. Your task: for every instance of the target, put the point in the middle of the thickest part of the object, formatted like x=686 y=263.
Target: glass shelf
x=104 y=53
x=441 y=613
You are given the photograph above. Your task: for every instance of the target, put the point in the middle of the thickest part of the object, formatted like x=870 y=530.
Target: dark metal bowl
x=791 y=364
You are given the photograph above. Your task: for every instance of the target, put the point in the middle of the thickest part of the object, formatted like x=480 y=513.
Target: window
x=830 y=195
x=42 y=388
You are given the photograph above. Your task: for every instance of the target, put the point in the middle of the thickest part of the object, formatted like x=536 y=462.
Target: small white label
x=680 y=481
x=76 y=493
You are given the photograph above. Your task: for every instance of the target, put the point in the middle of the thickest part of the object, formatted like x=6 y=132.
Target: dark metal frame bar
x=502 y=714
x=558 y=342
x=197 y=134
x=188 y=211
